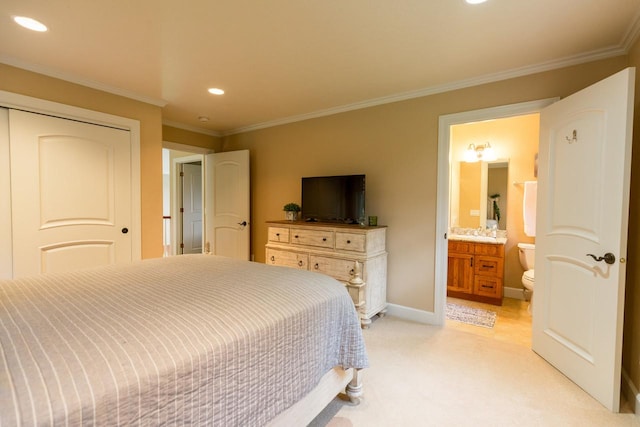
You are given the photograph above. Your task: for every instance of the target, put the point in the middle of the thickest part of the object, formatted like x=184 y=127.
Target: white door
x=192 y=208
x=70 y=194
x=227 y=204
x=583 y=199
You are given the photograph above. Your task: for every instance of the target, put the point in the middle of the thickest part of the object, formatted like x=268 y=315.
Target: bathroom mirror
x=472 y=185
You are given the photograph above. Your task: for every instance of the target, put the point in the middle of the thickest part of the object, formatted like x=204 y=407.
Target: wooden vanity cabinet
x=475 y=271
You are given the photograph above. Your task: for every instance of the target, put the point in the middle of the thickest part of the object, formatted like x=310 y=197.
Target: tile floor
x=513 y=321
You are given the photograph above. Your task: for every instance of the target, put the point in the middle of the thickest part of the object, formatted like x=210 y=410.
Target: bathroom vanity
x=476 y=269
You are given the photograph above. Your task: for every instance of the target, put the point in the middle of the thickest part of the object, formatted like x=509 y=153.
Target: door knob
x=609 y=258
x=125 y=230
x=243 y=223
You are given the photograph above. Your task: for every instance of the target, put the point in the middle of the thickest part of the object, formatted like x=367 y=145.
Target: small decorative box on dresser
x=353 y=254
x=475 y=271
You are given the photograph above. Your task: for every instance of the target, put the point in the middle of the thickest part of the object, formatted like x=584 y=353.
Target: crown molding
x=4 y=59
x=448 y=87
x=192 y=128
x=632 y=34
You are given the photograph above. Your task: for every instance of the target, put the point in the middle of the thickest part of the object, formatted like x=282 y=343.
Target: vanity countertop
x=479 y=239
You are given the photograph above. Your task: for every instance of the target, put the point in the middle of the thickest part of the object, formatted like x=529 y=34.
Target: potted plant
x=291 y=211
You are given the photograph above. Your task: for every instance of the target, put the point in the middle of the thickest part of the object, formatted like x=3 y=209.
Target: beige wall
x=469 y=191
x=194 y=139
x=150 y=117
x=514 y=139
x=395 y=145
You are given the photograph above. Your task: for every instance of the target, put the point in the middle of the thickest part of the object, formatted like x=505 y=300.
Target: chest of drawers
x=353 y=254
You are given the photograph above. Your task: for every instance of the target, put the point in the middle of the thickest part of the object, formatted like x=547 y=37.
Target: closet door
x=70 y=194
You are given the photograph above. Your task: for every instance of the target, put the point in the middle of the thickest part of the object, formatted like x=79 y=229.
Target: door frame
x=444 y=181
x=177 y=198
x=12 y=100
x=197 y=154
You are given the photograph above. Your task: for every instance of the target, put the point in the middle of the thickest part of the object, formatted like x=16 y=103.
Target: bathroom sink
x=480 y=239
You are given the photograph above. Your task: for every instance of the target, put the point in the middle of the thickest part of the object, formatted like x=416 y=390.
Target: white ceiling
x=284 y=60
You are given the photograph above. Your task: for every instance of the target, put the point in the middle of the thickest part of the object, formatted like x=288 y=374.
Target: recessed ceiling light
x=475 y=1
x=30 y=23
x=216 y=91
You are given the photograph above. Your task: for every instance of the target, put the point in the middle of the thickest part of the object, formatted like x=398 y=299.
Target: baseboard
x=515 y=293
x=630 y=392
x=412 y=314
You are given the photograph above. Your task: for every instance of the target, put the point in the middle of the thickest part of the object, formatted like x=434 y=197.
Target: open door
x=581 y=242
x=227 y=210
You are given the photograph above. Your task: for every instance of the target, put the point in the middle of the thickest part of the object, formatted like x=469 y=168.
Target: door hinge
x=181 y=173
x=181 y=210
x=181 y=245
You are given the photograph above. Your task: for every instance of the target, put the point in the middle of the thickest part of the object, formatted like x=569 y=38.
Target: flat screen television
x=333 y=199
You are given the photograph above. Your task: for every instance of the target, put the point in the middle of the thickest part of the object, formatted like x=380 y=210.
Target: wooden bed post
x=354 y=388
x=358 y=285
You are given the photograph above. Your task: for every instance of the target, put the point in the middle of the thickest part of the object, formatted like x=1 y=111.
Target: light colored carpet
x=432 y=376
x=471 y=315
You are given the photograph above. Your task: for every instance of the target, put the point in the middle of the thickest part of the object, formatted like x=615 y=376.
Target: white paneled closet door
x=70 y=194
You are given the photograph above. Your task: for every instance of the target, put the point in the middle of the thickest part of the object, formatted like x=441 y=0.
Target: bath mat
x=471 y=316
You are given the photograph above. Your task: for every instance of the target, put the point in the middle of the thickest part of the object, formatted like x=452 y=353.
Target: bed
x=194 y=339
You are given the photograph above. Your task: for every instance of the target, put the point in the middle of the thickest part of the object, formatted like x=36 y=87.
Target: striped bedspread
x=194 y=339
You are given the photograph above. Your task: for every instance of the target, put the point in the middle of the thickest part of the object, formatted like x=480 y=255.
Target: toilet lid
x=529 y=275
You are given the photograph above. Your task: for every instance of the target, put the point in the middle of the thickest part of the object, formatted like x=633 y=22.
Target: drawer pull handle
x=487 y=266
x=300 y=263
x=324 y=239
x=351 y=272
x=278 y=234
x=316 y=266
x=487 y=286
x=273 y=258
x=348 y=241
x=296 y=236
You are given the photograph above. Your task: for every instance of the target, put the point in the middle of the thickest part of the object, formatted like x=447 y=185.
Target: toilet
x=527 y=253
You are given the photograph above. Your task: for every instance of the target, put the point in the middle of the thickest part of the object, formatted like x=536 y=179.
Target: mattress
x=193 y=339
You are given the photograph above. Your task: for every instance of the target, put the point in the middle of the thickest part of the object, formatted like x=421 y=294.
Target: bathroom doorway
x=499 y=127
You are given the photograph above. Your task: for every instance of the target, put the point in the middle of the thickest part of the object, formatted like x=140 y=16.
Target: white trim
x=630 y=392
x=192 y=128
x=40 y=69
x=632 y=33
x=442 y=204
x=6 y=225
x=36 y=105
x=412 y=314
x=595 y=55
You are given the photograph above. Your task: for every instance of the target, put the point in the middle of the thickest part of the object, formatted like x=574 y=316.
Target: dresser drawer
x=350 y=242
x=288 y=259
x=317 y=238
x=277 y=234
x=340 y=269
x=487 y=286
x=488 y=266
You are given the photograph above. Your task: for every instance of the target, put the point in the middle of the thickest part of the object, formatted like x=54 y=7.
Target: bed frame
x=332 y=384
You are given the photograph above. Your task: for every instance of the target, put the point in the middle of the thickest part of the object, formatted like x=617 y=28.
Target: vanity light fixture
x=216 y=91
x=30 y=23
x=482 y=152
